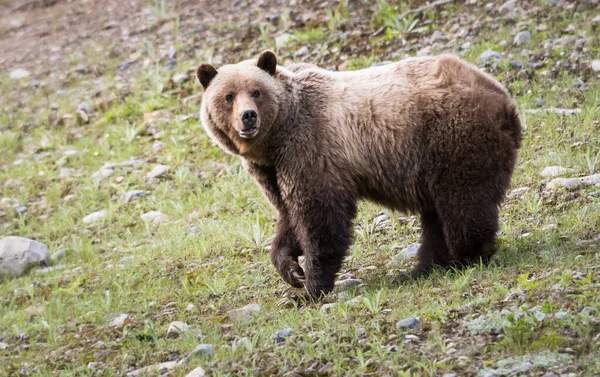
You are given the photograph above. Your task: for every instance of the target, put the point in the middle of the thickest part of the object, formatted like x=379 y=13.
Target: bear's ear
x=206 y=73
x=267 y=61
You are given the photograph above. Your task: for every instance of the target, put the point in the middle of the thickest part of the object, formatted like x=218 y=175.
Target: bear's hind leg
x=433 y=250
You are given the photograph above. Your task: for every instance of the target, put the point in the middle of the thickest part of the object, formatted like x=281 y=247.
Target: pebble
x=102 y=174
x=507 y=7
x=550 y=374
x=325 y=307
x=158 y=171
x=201 y=350
x=119 y=320
x=516 y=65
x=568 y=183
x=95 y=216
x=348 y=283
x=154 y=216
x=190 y=308
x=437 y=36
x=280 y=335
x=282 y=40
x=425 y=51
x=538 y=102
x=409 y=252
x=19 y=73
x=302 y=52
x=245 y=313
x=449 y=375
x=161 y=368
x=488 y=55
x=158 y=146
x=561 y=315
x=3 y=346
x=197 y=372
x=179 y=78
x=408 y=323
x=18 y=254
x=595 y=64
x=381 y=219
x=84 y=107
x=66 y=173
x=522 y=37
x=134 y=194
x=590 y=180
x=554 y=171
x=177 y=328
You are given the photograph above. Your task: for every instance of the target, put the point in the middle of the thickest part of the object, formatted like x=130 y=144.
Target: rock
x=66 y=173
x=154 y=216
x=302 y=52
x=554 y=110
x=198 y=372
x=425 y=51
x=158 y=171
x=437 y=36
x=92 y=365
x=102 y=174
x=19 y=73
x=3 y=346
x=590 y=180
x=161 y=368
x=568 y=183
x=549 y=227
x=245 y=313
x=84 y=107
x=134 y=194
x=119 y=320
x=518 y=192
x=279 y=336
x=179 y=78
x=522 y=37
x=190 y=308
x=408 y=323
x=538 y=102
x=409 y=252
x=159 y=145
x=282 y=40
x=381 y=219
x=35 y=310
x=176 y=329
x=516 y=65
x=554 y=171
x=325 y=307
x=18 y=254
x=449 y=375
x=490 y=55
x=561 y=315
x=550 y=374
x=95 y=216
x=348 y=283
x=206 y=350
x=507 y=7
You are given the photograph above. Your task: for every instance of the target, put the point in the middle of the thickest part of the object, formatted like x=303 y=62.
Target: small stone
x=192 y=229
x=95 y=216
x=437 y=36
x=280 y=335
x=507 y=7
x=35 y=310
x=595 y=64
x=549 y=227
x=490 y=55
x=409 y=252
x=158 y=146
x=205 y=350
x=381 y=219
x=154 y=217
x=245 y=313
x=18 y=254
x=425 y=51
x=449 y=375
x=84 y=107
x=190 y=308
x=550 y=374
x=179 y=78
x=348 y=283
x=516 y=65
x=19 y=73
x=158 y=171
x=590 y=180
x=408 y=338
x=588 y=310
x=538 y=102
x=134 y=194
x=522 y=37
x=102 y=174
x=554 y=171
x=161 y=368
x=408 y=323
x=92 y=365
x=325 y=307
x=119 y=320
x=282 y=40
x=176 y=329
x=66 y=173
x=197 y=372
x=302 y=52
x=3 y=346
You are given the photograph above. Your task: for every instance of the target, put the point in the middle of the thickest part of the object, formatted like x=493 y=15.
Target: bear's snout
x=249 y=118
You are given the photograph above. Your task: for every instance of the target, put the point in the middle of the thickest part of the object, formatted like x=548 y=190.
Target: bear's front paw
x=293 y=274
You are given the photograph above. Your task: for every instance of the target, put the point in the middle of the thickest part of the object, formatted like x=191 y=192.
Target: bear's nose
x=249 y=118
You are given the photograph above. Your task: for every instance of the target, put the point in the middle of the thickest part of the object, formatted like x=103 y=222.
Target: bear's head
x=241 y=102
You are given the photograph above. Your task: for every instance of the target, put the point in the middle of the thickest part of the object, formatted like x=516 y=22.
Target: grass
x=536 y=301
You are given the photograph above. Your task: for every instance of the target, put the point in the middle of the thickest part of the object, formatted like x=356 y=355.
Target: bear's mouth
x=248 y=133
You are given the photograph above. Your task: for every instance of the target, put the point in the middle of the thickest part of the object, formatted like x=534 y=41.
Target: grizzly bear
x=430 y=135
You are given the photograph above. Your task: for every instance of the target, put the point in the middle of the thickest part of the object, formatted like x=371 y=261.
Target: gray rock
x=119 y=320
x=595 y=64
x=190 y=308
x=282 y=40
x=449 y=375
x=154 y=217
x=102 y=174
x=206 y=350
x=437 y=36
x=245 y=313
x=177 y=328
x=522 y=38
x=348 y=283
x=92 y=365
x=568 y=183
x=538 y=102
x=179 y=78
x=507 y=7
x=516 y=65
x=158 y=171
x=84 y=107
x=280 y=335
x=550 y=374
x=325 y=307
x=588 y=310
x=20 y=208
x=153 y=369
x=197 y=372
x=302 y=52
x=490 y=55
x=409 y=252
x=18 y=254
x=554 y=171
x=408 y=323
x=425 y=51
x=134 y=194
x=590 y=180
x=95 y=216
x=381 y=219
x=158 y=146
x=19 y=73
x=66 y=173
x=3 y=346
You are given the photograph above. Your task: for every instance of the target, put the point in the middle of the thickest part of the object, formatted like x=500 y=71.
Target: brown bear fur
x=432 y=135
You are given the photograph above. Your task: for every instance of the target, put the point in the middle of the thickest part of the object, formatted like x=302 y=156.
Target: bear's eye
x=229 y=98
x=256 y=94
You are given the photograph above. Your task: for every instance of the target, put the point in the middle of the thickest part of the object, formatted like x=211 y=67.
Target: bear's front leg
x=323 y=224
x=285 y=251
